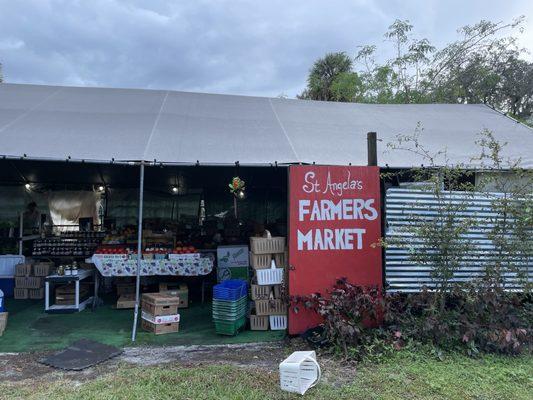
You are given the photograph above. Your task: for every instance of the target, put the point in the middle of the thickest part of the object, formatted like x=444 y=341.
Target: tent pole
x=139 y=254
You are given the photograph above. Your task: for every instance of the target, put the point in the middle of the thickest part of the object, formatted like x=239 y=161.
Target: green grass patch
x=405 y=375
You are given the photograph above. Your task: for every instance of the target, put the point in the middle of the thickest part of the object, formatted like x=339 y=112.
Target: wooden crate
x=260 y=261
x=126 y=301
x=66 y=295
x=125 y=288
x=20 y=294
x=42 y=269
x=160 y=329
x=260 y=292
x=36 y=294
x=3 y=322
x=28 y=282
x=160 y=304
x=23 y=269
x=267 y=245
x=259 y=322
x=179 y=290
x=270 y=307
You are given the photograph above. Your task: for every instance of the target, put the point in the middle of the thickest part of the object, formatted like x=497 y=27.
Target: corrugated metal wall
x=402 y=273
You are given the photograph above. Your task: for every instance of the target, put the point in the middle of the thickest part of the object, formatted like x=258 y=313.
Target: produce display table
x=64 y=279
x=179 y=265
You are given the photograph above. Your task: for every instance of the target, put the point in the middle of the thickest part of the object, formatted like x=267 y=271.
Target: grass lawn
x=406 y=375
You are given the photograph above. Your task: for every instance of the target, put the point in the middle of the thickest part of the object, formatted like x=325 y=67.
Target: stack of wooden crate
x=160 y=313
x=268 y=258
x=29 y=280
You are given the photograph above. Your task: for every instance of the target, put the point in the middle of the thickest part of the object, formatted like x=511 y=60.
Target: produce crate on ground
x=36 y=294
x=126 y=301
x=3 y=322
x=160 y=329
x=20 y=294
x=278 y=322
x=259 y=322
x=160 y=304
x=230 y=306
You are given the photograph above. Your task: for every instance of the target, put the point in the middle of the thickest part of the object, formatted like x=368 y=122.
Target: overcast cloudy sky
x=240 y=47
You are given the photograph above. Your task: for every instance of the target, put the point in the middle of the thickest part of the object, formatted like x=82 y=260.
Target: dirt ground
x=22 y=366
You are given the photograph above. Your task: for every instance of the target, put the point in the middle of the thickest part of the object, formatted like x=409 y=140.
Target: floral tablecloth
x=115 y=266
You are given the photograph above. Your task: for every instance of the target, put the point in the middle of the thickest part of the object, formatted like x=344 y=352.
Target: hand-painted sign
x=335 y=224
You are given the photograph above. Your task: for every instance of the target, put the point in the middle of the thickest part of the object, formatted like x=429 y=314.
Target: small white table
x=63 y=279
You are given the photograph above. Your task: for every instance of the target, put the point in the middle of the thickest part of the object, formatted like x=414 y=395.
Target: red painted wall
x=334 y=219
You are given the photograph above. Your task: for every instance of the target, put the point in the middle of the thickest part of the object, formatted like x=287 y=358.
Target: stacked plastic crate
x=269 y=260
x=230 y=306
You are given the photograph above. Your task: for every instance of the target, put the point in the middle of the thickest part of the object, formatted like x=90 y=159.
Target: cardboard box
x=160 y=304
x=42 y=269
x=179 y=290
x=162 y=319
x=23 y=269
x=270 y=307
x=125 y=288
x=3 y=322
x=160 y=329
x=126 y=301
x=36 y=294
x=20 y=294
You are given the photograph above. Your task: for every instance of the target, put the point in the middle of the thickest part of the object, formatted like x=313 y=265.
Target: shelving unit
x=64 y=279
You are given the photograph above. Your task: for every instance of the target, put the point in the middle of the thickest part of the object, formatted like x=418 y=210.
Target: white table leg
x=46 y=296
x=77 y=295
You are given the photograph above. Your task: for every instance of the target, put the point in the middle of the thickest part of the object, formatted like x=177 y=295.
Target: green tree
x=335 y=69
x=483 y=66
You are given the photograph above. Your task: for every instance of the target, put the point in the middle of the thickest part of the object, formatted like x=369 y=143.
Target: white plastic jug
x=299 y=372
x=1 y=301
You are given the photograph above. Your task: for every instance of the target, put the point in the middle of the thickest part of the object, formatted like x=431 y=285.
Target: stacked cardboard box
x=29 y=280
x=160 y=313
x=176 y=289
x=268 y=258
x=126 y=294
x=3 y=322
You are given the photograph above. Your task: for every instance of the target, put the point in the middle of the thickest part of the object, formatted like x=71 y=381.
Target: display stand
x=63 y=279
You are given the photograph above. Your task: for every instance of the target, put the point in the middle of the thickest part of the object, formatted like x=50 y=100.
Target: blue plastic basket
x=232 y=289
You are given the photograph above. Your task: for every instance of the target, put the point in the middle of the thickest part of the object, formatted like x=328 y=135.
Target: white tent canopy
x=101 y=125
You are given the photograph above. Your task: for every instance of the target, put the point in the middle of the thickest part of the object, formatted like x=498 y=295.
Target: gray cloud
x=242 y=47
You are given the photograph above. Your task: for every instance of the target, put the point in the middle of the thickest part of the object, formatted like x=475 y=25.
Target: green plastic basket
x=229 y=328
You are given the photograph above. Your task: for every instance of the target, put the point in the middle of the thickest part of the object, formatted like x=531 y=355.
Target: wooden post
x=372 y=149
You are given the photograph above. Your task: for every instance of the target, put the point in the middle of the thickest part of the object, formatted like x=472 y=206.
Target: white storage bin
x=278 y=322
x=299 y=372
x=8 y=262
x=272 y=276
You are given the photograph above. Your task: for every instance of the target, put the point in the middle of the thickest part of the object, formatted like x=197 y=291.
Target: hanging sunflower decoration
x=237 y=187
